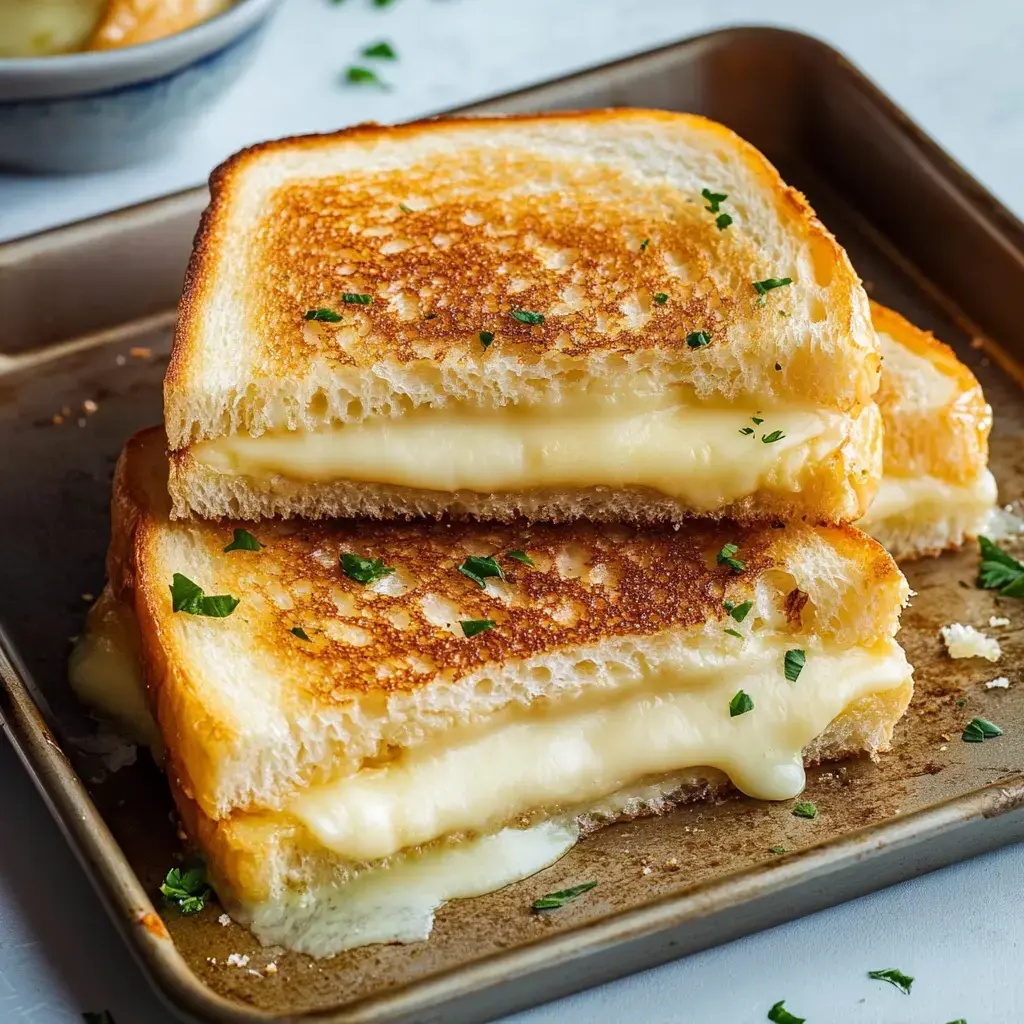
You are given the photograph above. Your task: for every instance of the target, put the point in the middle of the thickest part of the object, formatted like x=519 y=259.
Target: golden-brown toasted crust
x=589 y=583
x=948 y=439
x=462 y=265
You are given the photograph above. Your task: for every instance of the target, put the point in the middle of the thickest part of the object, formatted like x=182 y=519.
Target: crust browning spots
x=588 y=584
x=482 y=235
x=796 y=599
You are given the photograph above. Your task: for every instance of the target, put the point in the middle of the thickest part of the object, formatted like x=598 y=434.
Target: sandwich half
x=397 y=714
x=620 y=315
x=936 y=491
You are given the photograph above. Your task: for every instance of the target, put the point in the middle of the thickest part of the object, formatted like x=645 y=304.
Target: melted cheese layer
x=923 y=500
x=559 y=756
x=693 y=453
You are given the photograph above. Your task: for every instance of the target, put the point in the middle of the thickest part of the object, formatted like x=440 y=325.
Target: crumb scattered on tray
x=140 y=352
x=967 y=642
x=224 y=920
x=1002 y=683
x=238 y=959
x=998 y=620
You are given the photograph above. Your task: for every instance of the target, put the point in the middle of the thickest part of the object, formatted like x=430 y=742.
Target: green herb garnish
x=977 y=730
x=746 y=430
x=380 y=51
x=355 y=299
x=404 y=208
x=486 y=337
x=738 y=611
x=764 y=287
x=776 y=849
x=660 y=298
x=698 y=339
x=479 y=569
x=326 y=316
x=715 y=199
x=188 y=597
x=735 y=633
x=778 y=1014
x=186 y=889
x=793 y=664
x=896 y=978
x=356 y=75
x=757 y=419
x=383 y=3
x=775 y=435
x=805 y=809
x=722 y=221
x=524 y=316
x=554 y=900
x=244 y=541
x=300 y=633
x=999 y=570
x=725 y=557
x=520 y=556
x=643 y=245
x=365 y=570
x=473 y=626
x=740 y=704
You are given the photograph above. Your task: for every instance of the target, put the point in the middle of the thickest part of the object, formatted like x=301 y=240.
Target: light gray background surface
x=956 y=68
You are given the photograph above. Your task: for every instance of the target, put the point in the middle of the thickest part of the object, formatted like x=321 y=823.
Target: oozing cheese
x=572 y=753
x=693 y=453
x=917 y=501
x=397 y=903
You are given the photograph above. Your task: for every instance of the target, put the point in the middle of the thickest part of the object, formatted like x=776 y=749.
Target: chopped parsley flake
x=188 y=597
x=524 y=316
x=300 y=633
x=660 y=298
x=187 y=890
x=805 y=809
x=698 y=339
x=325 y=316
x=244 y=541
x=999 y=570
x=726 y=557
x=473 y=626
x=793 y=664
x=894 y=977
x=554 y=900
x=722 y=221
x=776 y=849
x=365 y=570
x=715 y=199
x=404 y=208
x=778 y=1014
x=356 y=75
x=478 y=569
x=775 y=435
x=757 y=419
x=486 y=337
x=740 y=704
x=738 y=611
x=746 y=430
x=355 y=299
x=735 y=632
x=768 y=284
x=521 y=556
x=380 y=51
x=643 y=245
x=978 y=730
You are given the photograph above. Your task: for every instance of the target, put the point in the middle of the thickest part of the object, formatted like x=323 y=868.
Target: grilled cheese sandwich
x=619 y=315
x=336 y=746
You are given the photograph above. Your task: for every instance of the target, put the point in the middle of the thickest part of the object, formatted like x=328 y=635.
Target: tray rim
x=23 y=718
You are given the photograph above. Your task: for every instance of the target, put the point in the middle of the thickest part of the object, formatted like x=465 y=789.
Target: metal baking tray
x=88 y=311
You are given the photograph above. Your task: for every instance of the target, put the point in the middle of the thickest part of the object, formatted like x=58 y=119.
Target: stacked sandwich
x=510 y=470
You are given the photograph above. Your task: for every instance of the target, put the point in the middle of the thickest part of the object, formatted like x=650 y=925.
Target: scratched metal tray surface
x=87 y=315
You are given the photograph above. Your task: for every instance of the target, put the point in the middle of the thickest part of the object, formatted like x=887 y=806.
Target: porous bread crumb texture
x=937 y=421
x=545 y=214
x=836 y=490
x=967 y=642
x=256 y=857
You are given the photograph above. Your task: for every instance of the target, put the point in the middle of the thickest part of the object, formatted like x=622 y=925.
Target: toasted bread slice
x=536 y=316
x=326 y=729
x=936 y=491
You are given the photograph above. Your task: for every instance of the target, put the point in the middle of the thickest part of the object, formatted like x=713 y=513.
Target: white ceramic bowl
x=108 y=108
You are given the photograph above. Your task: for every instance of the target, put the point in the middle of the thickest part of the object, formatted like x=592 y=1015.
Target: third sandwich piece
x=937 y=490
x=362 y=719
x=621 y=315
